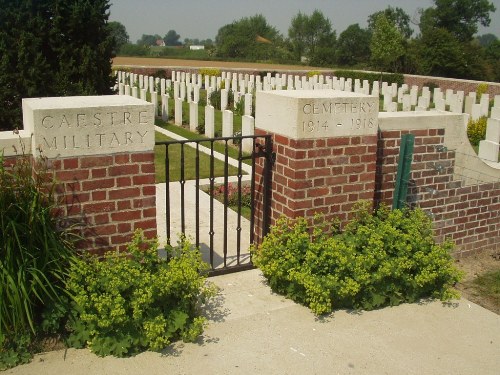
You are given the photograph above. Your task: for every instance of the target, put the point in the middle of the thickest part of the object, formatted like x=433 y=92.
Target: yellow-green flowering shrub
x=481 y=89
x=381 y=258
x=313 y=73
x=135 y=301
x=209 y=72
x=476 y=130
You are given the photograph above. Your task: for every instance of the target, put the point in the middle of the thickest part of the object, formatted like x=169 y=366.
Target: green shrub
x=35 y=254
x=313 y=73
x=382 y=258
x=476 y=130
x=431 y=86
x=126 y=303
x=210 y=72
x=384 y=77
x=481 y=89
x=216 y=102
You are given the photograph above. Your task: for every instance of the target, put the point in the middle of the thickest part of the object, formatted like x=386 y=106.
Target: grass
x=488 y=284
x=189 y=162
x=219 y=147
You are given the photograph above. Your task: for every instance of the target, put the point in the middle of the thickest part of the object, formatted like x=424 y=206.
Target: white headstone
x=496 y=103
x=489 y=151
x=135 y=92
x=164 y=107
x=387 y=101
x=440 y=104
x=248 y=104
x=176 y=90
x=493 y=130
x=449 y=96
x=469 y=102
x=193 y=116
x=485 y=104
x=182 y=94
x=406 y=99
x=227 y=123
x=196 y=93
x=414 y=95
x=152 y=86
x=247 y=128
x=154 y=100
x=495 y=112
x=475 y=111
x=394 y=87
x=178 y=111
x=162 y=86
x=209 y=121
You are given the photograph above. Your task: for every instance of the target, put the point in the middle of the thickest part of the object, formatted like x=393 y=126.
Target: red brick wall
x=329 y=175
x=111 y=195
x=324 y=176
x=469 y=215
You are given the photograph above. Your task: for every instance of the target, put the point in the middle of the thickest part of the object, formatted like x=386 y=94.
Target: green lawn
x=218 y=146
x=189 y=162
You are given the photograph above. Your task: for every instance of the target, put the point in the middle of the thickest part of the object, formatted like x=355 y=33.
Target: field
x=162 y=63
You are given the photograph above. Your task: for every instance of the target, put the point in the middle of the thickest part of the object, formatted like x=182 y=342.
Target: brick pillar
x=101 y=152
x=326 y=152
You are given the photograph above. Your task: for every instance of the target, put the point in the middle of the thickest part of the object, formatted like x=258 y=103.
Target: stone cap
x=313 y=114
x=89 y=125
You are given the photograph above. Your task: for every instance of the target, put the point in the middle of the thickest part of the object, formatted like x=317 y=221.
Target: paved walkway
x=253 y=331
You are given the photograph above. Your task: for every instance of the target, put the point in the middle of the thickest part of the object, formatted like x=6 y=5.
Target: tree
x=297 y=34
x=172 y=38
x=386 y=45
x=353 y=46
x=148 y=40
x=493 y=55
x=249 y=38
x=52 y=48
x=396 y=16
x=486 y=39
x=119 y=34
x=441 y=54
x=461 y=17
x=312 y=37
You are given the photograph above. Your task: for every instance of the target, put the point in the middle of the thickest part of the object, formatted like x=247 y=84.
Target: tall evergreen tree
x=52 y=48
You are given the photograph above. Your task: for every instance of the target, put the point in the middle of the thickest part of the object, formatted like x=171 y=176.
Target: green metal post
x=404 y=169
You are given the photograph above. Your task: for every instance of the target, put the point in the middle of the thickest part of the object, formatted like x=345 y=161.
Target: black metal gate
x=200 y=188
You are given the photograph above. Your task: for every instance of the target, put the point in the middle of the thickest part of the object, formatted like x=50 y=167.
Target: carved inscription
x=345 y=115
x=99 y=130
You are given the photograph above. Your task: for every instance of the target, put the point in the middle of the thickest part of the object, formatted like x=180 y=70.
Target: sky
x=202 y=18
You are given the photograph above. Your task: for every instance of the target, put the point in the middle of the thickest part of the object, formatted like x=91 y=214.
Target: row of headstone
x=187 y=86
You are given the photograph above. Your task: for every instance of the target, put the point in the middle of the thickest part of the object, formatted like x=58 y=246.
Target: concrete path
x=253 y=331
x=204 y=222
